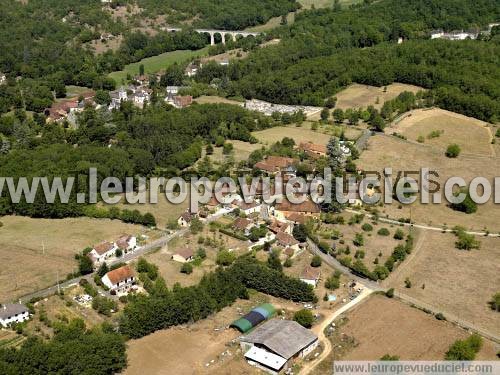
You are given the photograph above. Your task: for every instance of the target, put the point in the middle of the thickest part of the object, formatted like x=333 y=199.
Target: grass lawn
x=157 y=63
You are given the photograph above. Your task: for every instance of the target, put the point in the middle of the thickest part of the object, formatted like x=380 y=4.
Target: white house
x=119 y=280
x=3 y=79
x=185 y=219
x=126 y=243
x=248 y=208
x=103 y=251
x=285 y=240
x=311 y=275
x=11 y=313
x=184 y=255
x=117 y=97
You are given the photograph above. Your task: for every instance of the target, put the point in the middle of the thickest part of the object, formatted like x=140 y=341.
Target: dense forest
x=326 y=50
x=222 y=14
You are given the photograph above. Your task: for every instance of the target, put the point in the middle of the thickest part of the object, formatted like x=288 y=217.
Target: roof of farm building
x=283 y=337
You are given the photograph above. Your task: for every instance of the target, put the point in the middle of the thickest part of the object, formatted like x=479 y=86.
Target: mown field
x=35 y=251
x=156 y=63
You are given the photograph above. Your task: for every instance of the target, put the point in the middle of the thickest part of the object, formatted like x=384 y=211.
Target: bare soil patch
x=400 y=330
x=361 y=96
x=33 y=251
x=456 y=281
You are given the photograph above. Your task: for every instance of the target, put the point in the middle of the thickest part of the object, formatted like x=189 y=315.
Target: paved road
x=376 y=287
x=124 y=259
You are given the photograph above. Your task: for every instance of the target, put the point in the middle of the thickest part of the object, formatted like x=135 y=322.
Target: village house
x=103 y=251
x=120 y=280
x=13 y=313
x=185 y=219
x=243 y=225
x=286 y=240
x=313 y=150
x=273 y=165
x=297 y=218
x=310 y=275
x=182 y=101
x=281 y=226
x=274 y=345
x=142 y=80
x=184 y=255
x=140 y=98
x=248 y=208
x=126 y=243
x=117 y=97
x=285 y=208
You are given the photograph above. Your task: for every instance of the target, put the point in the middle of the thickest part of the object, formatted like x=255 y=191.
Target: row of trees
x=164 y=308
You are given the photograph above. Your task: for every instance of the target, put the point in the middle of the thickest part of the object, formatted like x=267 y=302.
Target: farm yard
x=299 y=134
x=207 y=346
x=455 y=281
x=398 y=330
x=362 y=96
x=400 y=155
x=439 y=128
x=35 y=251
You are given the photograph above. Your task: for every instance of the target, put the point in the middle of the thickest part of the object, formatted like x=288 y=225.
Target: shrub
x=390 y=293
x=464 y=350
x=399 y=235
x=304 y=317
x=225 y=258
x=467 y=205
x=187 y=268
x=495 y=302
x=288 y=263
x=358 y=240
x=104 y=306
x=440 y=316
x=316 y=261
x=367 y=227
x=383 y=232
x=453 y=150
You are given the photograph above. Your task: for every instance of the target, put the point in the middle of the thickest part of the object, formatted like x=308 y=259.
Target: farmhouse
x=276 y=164
x=126 y=243
x=243 y=225
x=185 y=219
x=310 y=275
x=312 y=150
x=248 y=208
x=11 y=313
x=281 y=226
x=183 y=255
x=103 y=251
x=119 y=280
x=286 y=240
x=274 y=345
x=285 y=208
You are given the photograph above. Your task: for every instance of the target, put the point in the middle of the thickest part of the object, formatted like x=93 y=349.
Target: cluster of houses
x=67 y=109
x=461 y=35
x=268 y=109
x=106 y=250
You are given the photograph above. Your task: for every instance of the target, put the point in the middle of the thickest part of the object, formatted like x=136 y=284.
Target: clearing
x=456 y=281
x=156 y=63
x=398 y=330
x=361 y=96
x=299 y=134
x=439 y=128
x=385 y=151
x=34 y=251
x=216 y=100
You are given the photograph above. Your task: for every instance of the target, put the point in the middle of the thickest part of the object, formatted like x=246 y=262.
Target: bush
x=440 y=316
x=453 y=150
x=464 y=350
x=358 y=240
x=225 y=258
x=304 y=317
x=467 y=205
x=104 y=306
x=187 y=268
x=333 y=282
x=390 y=293
x=466 y=241
x=316 y=261
x=383 y=232
x=367 y=227
x=288 y=263
x=399 y=235
x=495 y=302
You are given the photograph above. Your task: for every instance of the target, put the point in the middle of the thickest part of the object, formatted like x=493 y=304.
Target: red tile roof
x=285 y=239
x=185 y=252
x=308 y=206
x=123 y=241
x=120 y=274
x=241 y=223
x=312 y=147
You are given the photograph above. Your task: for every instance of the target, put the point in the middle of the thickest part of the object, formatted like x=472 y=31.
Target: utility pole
x=58 y=286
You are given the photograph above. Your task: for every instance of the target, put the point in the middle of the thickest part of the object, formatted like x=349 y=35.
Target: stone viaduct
x=223 y=33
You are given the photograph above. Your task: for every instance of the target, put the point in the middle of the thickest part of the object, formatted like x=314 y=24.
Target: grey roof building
x=286 y=338
x=13 y=313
